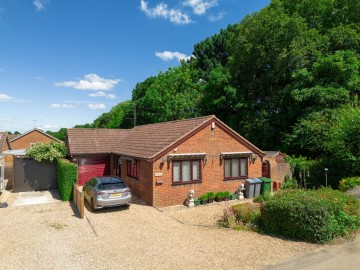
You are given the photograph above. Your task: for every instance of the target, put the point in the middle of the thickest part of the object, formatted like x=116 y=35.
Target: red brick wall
x=211 y=142
x=142 y=187
x=278 y=171
x=32 y=137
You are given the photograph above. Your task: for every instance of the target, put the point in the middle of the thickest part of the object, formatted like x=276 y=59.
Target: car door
x=89 y=189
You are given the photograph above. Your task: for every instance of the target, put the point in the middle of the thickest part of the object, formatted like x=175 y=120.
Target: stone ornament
x=240 y=192
x=190 y=199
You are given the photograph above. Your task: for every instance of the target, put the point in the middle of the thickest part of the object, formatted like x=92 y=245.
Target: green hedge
x=349 y=183
x=317 y=216
x=67 y=174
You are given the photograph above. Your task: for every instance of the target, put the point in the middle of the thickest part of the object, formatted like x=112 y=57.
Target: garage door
x=89 y=167
x=31 y=175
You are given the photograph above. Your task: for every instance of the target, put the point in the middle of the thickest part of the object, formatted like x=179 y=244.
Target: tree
x=60 y=134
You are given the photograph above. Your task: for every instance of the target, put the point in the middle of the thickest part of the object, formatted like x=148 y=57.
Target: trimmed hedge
x=317 y=216
x=349 y=183
x=67 y=175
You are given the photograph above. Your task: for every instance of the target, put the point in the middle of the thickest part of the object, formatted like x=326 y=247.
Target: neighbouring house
x=24 y=141
x=4 y=141
x=275 y=167
x=15 y=147
x=162 y=162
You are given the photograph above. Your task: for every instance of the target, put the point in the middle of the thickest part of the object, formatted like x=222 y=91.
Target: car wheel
x=92 y=205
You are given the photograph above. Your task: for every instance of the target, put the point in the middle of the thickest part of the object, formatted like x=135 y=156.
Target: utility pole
x=34 y=123
x=134 y=115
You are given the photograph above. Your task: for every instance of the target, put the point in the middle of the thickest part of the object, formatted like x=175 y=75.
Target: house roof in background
x=13 y=136
x=94 y=140
x=3 y=136
x=273 y=153
x=36 y=130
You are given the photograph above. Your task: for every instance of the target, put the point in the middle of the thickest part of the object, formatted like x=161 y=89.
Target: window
x=186 y=171
x=235 y=168
x=133 y=169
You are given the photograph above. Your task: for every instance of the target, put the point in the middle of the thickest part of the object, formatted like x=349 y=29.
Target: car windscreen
x=112 y=185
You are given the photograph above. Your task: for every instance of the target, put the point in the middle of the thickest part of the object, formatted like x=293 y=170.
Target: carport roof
x=94 y=140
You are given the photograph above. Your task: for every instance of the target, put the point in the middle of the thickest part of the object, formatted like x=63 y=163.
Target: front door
x=266 y=169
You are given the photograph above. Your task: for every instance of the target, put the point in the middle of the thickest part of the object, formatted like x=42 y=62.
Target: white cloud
x=200 y=7
x=96 y=106
x=5 y=97
x=90 y=82
x=102 y=94
x=62 y=106
x=175 y=16
x=40 y=4
x=98 y=94
x=217 y=17
x=168 y=56
x=110 y=96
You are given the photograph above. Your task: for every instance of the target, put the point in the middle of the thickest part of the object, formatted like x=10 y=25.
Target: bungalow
x=162 y=162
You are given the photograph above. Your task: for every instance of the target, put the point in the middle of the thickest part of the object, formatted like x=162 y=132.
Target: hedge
x=67 y=174
x=317 y=216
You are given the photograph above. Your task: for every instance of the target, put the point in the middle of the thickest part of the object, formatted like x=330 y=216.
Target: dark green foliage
x=204 y=197
x=317 y=216
x=349 y=183
x=60 y=134
x=67 y=175
x=247 y=212
x=211 y=195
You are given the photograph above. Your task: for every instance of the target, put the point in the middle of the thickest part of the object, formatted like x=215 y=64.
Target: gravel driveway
x=51 y=236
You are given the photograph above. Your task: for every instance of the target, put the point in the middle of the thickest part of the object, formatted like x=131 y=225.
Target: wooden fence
x=78 y=197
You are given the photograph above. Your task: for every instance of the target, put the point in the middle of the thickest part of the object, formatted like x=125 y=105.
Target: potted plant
x=233 y=196
x=197 y=201
x=204 y=199
x=227 y=195
x=219 y=196
x=211 y=196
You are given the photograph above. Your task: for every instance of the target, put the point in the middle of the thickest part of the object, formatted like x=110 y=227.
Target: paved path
x=334 y=257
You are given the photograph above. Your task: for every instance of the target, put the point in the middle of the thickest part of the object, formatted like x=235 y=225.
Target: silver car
x=107 y=191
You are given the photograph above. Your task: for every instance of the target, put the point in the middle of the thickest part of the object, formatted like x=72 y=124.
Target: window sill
x=236 y=178
x=186 y=183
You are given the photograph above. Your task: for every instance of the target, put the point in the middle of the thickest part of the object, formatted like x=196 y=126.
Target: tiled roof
x=146 y=141
x=149 y=140
x=13 y=136
x=94 y=140
x=37 y=130
x=3 y=136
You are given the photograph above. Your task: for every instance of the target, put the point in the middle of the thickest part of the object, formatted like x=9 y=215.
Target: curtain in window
x=234 y=167
x=176 y=171
x=186 y=171
x=243 y=163
x=196 y=170
x=227 y=168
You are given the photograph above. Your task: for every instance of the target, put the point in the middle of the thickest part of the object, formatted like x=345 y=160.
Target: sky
x=65 y=62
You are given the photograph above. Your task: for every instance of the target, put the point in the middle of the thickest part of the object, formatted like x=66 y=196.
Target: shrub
x=315 y=216
x=204 y=197
x=67 y=175
x=219 y=195
x=262 y=198
x=349 y=183
x=289 y=184
x=247 y=212
x=241 y=216
x=211 y=195
x=226 y=194
x=46 y=151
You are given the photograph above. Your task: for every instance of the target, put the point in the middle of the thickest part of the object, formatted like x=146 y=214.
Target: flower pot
x=219 y=199
x=197 y=202
x=226 y=198
x=203 y=202
x=211 y=200
x=233 y=197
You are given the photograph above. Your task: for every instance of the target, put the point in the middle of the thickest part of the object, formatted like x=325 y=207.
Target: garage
x=89 y=167
x=31 y=175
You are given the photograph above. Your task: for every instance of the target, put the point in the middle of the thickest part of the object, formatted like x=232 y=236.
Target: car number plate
x=115 y=195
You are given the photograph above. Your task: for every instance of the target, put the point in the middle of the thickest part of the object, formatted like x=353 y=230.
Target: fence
x=78 y=198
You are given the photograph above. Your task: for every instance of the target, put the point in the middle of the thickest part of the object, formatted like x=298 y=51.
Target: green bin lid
x=265 y=179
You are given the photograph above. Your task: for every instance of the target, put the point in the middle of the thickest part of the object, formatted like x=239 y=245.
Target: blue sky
x=65 y=62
